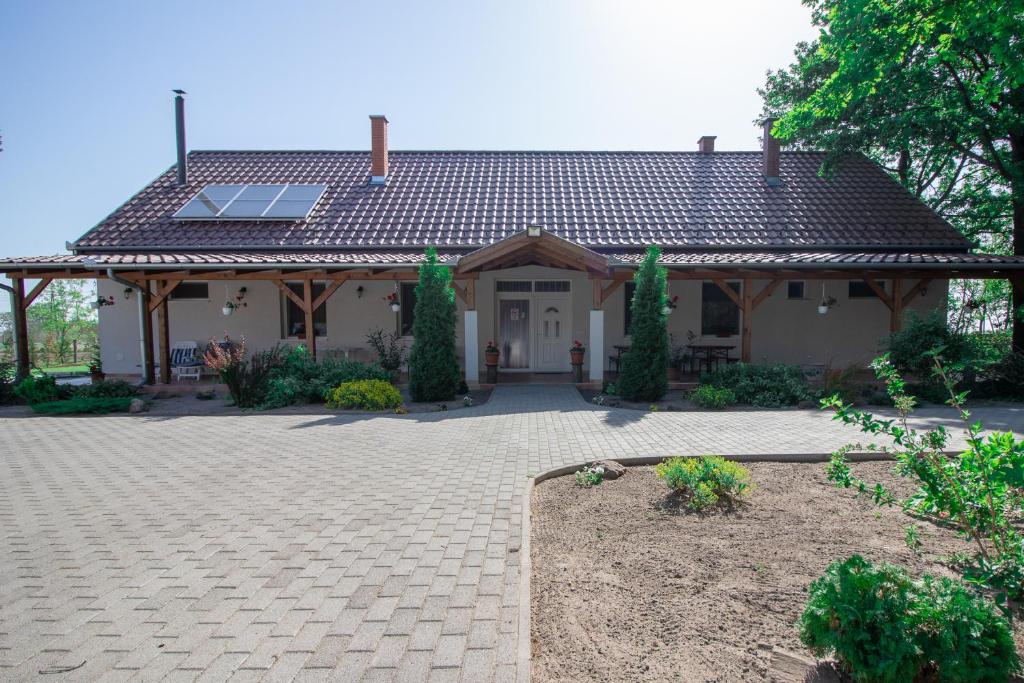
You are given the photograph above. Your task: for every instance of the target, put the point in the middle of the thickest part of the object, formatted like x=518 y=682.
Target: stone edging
x=524 y=654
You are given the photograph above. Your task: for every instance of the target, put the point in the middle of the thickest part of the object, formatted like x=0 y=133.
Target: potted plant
x=393 y=302
x=491 y=353
x=671 y=305
x=96 y=373
x=576 y=352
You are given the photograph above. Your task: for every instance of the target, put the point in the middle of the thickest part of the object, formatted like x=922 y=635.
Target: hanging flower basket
x=670 y=306
x=393 y=302
x=228 y=308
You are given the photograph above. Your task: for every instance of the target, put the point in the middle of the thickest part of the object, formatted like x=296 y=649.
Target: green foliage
x=1004 y=378
x=389 y=348
x=7 y=375
x=300 y=379
x=644 y=375
x=84 y=404
x=111 y=388
x=247 y=379
x=433 y=364
x=34 y=389
x=713 y=398
x=884 y=627
x=706 y=480
x=766 y=386
x=589 y=476
x=59 y=317
x=980 y=491
x=366 y=394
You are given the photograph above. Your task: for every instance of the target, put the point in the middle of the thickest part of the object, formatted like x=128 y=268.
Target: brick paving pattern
x=291 y=547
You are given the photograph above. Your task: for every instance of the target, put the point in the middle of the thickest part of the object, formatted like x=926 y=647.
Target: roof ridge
x=493 y=151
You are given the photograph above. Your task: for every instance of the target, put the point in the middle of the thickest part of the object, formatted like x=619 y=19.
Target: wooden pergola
x=155 y=282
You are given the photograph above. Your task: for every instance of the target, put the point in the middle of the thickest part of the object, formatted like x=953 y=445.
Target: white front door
x=552 y=334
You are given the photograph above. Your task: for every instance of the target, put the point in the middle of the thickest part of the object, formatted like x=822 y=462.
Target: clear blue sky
x=86 y=110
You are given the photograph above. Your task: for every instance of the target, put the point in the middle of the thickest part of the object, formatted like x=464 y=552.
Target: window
x=795 y=289
x=627 y=297
x=551 y=286
x=408 y=311
x=719 y=315
x=513 y=286
x=859 y=289
x=191 y=290
x=295 y=319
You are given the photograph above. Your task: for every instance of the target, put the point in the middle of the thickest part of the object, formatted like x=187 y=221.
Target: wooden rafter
x=880 y=291
x=295 y=298
x=326 y=294
x=163 y=290
x=36 y=291
x=730 y=292
x=915 y=290
x=765 y=292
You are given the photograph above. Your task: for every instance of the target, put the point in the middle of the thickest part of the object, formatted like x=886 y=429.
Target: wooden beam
x=296 y=299
x=460 y=291
x=470 y=299
x=896 y=310
x=915 y=290
x=163 y=290
x=307 y=299
x=23 y=364
x=877 y=288
x=36 y=291
x=747 y=306
x=163 y=328
x=597 y=290
x=730 y=292
x=765 y=292
x=147 y=334
x=326 y=294
x=610 y=289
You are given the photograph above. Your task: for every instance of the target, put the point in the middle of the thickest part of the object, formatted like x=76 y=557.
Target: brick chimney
x=378 y=149
x=770 y=147
x=706 y=144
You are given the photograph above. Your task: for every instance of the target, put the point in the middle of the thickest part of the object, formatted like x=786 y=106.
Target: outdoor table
x=708 y=353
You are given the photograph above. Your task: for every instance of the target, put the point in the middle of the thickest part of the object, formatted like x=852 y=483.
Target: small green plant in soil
x=765 y=386
x=589 y=476
x=367 y=394
x=979 y=491
x=705 y=481
x=884 y=627
x=34 y=390
x=713 y=398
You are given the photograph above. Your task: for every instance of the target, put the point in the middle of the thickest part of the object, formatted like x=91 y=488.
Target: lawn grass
x=54 y=369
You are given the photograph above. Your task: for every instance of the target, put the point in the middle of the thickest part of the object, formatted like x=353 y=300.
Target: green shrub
x=84 y=404
x=433 y=364
x=389 y=348
x=706 y=480
x=300 y=379
x=883 y=627
x=368 y=394
x=975 y=491
x=1004 y=378
x=34 y=390
x=246 y=379
x=766 y=386
x=713 y=398
x=7 y=375
x=644 y=375
x=111 y=388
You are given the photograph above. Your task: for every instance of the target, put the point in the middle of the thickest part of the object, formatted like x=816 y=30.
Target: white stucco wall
x=783 y=330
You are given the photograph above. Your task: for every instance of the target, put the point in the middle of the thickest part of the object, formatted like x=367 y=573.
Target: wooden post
x=307 y=306
x=748 y=310
x=147 y=334
x=164 y=336
x=471 y=295
x=896 y=310
x=20 y=328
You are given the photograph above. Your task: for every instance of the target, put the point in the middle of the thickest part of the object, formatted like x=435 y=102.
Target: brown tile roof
x=598 y=199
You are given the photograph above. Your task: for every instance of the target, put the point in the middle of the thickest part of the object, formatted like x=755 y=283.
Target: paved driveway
x=279 y=547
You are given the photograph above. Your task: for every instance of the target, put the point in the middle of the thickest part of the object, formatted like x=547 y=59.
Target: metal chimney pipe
x=179 y=129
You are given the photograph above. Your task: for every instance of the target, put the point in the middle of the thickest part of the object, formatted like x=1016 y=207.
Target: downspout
x=16 y=313
x=145 y=345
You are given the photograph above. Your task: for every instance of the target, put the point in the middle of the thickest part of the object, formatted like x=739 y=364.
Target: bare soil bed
x=625 y=588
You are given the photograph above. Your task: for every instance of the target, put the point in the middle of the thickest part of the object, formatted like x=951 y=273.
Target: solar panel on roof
x=252 y=202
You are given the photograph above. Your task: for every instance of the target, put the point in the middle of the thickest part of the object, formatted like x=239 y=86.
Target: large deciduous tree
x=433 y=363
x=644 y=375
x=933 y=90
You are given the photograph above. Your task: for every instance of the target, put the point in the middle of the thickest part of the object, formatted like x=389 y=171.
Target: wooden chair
x=185 y=361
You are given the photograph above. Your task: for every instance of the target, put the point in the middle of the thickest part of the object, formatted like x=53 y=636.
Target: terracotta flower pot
x=576 y=356
x=491 y=357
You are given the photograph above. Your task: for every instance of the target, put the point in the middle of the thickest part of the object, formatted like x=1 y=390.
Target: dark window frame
x=180 y=293
x=406 y=316
x=721 y=304
x=789 y=290
x=628 y=290
x=293 y=316
x=864 y=290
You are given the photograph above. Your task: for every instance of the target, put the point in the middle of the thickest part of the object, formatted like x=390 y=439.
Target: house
x=766 y=257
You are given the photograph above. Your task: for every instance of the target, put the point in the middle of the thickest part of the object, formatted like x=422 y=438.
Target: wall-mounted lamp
x=127 y=293
x=359 y=292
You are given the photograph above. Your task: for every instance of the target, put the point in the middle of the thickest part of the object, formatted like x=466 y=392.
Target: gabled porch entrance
x=534 y=319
